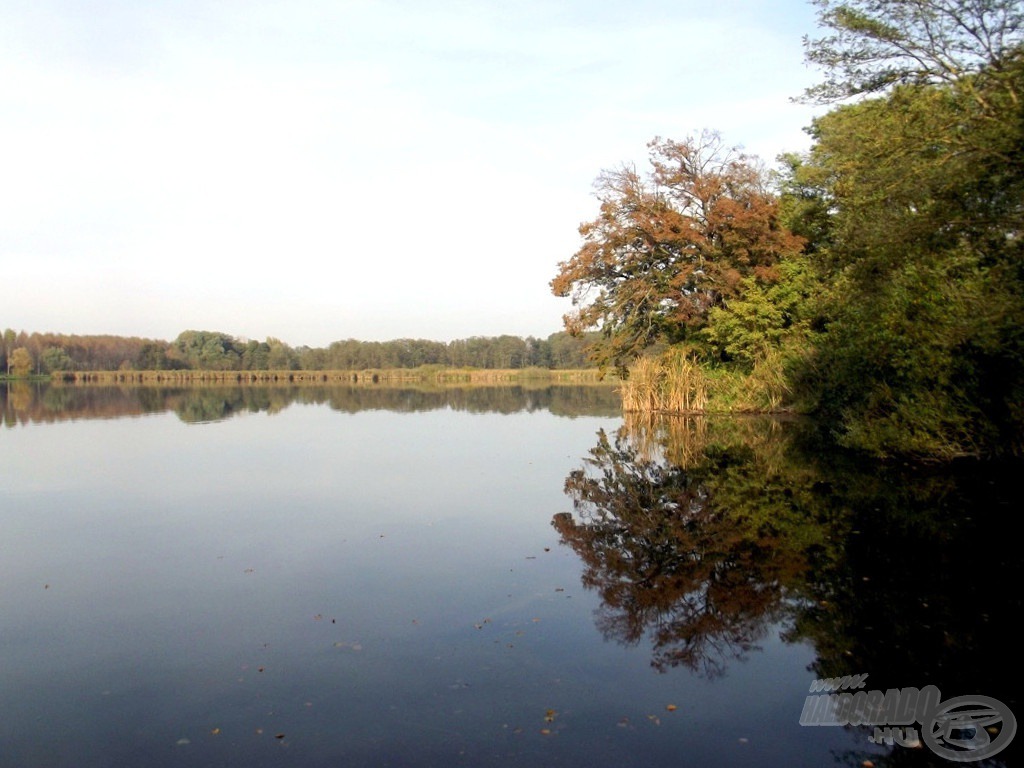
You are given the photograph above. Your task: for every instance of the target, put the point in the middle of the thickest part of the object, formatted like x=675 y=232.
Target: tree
x=669 y=245
x=56 y=359
x=923 y=188
x=19 y=362
x=877 y=44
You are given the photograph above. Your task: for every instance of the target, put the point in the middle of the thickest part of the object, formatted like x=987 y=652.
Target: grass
x=428 y=374
x=677 y=382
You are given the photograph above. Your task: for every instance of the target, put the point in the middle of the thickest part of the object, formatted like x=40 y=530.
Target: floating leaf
x=215 y=731
x=671 y=707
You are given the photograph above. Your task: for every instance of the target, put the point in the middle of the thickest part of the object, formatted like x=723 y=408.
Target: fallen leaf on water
x=550 y=715
x=259 y=731
x=215 y=731
x=671 y=707
x=545 y=731
x=279 y=736
x=654 y=719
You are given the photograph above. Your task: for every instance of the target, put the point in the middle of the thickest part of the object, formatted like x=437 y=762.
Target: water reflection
x=704 y=537
x=24 y=402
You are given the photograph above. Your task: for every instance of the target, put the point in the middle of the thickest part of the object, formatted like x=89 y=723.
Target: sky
x=316 y=170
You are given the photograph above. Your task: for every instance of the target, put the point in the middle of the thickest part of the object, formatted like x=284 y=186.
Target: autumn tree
x=670 y=244
x=19 y=362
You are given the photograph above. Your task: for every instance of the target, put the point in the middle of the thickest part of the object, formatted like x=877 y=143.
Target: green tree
x=56 y=359
x=923 y=189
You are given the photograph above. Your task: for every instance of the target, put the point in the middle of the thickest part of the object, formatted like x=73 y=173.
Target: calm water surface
x=306 y=577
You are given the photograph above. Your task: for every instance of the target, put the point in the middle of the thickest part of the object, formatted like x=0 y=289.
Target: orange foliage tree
x=669 y=245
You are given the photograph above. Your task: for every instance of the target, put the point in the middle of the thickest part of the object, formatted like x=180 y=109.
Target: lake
x=494 y=576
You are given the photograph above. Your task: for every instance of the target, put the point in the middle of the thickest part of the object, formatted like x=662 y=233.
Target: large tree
x=923 y=184
x=670 y=244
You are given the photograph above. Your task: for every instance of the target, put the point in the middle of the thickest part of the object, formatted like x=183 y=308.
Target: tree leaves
x=668 y=246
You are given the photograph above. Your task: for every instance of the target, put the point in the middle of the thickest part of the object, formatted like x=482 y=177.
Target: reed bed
x=672 y=383
x=425 y=375
x=677 y=382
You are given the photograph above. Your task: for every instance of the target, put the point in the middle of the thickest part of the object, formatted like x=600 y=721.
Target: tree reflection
x=674 y=558
x=23 y=403
x=705 y=536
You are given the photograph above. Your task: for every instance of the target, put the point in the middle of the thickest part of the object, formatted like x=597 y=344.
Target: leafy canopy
x=669 y=245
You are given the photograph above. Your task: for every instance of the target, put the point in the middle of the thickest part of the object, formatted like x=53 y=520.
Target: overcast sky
x=317 y=170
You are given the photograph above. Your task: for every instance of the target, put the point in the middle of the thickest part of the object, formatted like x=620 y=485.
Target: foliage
x=766 y=316
x=19 y=362
x=218 y=351
x=670 y=245
x=56 y=359
x=876 y=44
x=899 y=322
x=924 y=353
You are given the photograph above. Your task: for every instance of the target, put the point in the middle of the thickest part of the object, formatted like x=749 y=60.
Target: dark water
x=497 y=576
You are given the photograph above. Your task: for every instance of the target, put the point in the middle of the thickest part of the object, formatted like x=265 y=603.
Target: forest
x=23 y=354
x=875 y=281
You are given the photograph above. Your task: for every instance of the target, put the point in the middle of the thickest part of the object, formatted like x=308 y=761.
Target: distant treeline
x=23 y=353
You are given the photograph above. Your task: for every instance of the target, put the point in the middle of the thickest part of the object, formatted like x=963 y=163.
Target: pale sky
x=317 y=170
